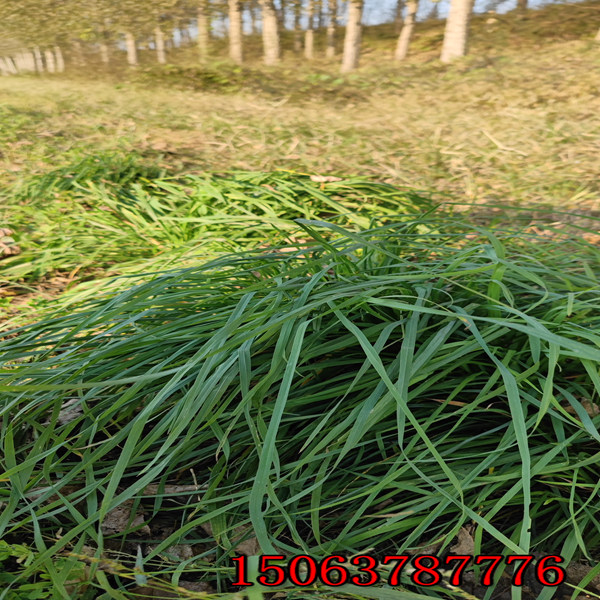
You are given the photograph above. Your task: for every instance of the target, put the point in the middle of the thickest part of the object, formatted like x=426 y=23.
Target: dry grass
x=507 y=124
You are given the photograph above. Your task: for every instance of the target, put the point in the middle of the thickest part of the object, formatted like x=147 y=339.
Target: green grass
x=120 y=214
x=380 y=389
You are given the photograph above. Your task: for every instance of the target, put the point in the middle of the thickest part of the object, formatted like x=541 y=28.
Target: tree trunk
x=78 y=55
x=27 y=61
x=50 y=62
x=457 y=30
x=4 y=69
x=309 y=34
x=235 y=31
x=60 y=61
x=407 y=30
x=132 y=58
x=398 y=21
x=18 y=61
x=522 y=5
x=352 y=37
x=331 y=25
x=159 y=40
x=104 y=55
x=203 y=29
x=11 y=66
x=319 y=13
x=270 y=32
x=297 y=26
x=597 y=38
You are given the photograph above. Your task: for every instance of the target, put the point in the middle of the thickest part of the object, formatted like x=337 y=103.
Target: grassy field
x=354 y=315
x=505 y=125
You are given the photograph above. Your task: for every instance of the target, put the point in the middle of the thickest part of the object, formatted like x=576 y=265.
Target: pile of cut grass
x=378 y=390
x=107 y=214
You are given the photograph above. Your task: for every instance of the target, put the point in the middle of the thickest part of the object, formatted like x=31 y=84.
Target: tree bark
x=297 y=26
x=27 y=61
x=352 y=37
x=457 y=30
x=60 y=61
x=319 y=13
x=407 y=30
x=331 y=26
x=159 y=40
x=10 y=65
x=130 y=45
x=203 y=29
x=597 y=38
x=235 y=31
x=270 y=32
x=18 y=62
x=309 y=34
x=50 y=62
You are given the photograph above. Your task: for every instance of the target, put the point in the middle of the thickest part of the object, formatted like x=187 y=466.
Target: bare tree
x=235 y=31
x=297 y=14
x=131 y=47
x=159 y=41
x=270 y=32
x=39 y=62
x=398 y=16
x=597 y=38
x=8 y=66
x=60 y=61
x=203 y=21
x=331 y=26
x=352 y=37
x=457 y=30
x=105 y=38
x=4 y=66
x=50 y=62
x=309 y=35
x=522 y=5
x=407 y=30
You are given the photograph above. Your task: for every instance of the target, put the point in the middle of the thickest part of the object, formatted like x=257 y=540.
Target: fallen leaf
x=464 y=543
x=69 y=411
x=590 y=408
x=249 y=547
x=117 y=520
x=324 y=178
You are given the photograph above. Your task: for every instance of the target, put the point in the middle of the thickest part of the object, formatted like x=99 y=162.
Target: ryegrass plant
x=107 y=213
x=376 y=390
